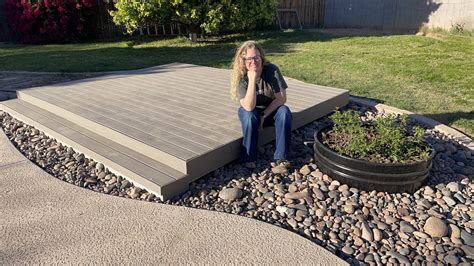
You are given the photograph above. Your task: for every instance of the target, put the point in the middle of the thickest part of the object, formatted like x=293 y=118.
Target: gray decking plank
x=301 y=100
x=187 y=101
x=124 y=115
x=212 y=92
x=202 y=119
x=115 y=120
x=188 y=110
x=186 y=120
x=199 y=73
x=186 y=91
x=119 y=127
x=161 y=134
x=307 y=91
x=223 y=107
x=148 y=101
x=112 y=154
x=184 y=100
x=141 y=81
x=300 y=103
x=150 y=124
x=300 y=84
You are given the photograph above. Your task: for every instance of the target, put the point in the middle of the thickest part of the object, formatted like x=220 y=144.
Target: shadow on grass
x=452 y=118
x=84 y=57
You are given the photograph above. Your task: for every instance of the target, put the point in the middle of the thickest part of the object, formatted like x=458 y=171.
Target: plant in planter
x=378 y=155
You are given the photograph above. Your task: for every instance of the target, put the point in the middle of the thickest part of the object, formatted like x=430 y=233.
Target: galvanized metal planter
x=366 y=175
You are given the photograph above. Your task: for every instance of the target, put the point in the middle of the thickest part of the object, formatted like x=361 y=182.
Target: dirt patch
x=433 y=35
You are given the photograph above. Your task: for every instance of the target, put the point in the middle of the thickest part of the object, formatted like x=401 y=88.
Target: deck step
x=143 y=171
x=163 y=146
x=126 y=135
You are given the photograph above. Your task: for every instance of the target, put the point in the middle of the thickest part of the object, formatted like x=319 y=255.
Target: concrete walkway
x=47 y=221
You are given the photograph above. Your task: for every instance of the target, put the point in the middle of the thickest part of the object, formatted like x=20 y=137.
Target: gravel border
x=433 y=225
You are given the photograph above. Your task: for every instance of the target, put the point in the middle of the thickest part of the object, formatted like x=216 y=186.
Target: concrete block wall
x=451 y=12
x=398 y=15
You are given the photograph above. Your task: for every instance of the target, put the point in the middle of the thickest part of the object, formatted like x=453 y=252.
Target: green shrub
x=457 y=29
x=386 y=139
x=209 y=16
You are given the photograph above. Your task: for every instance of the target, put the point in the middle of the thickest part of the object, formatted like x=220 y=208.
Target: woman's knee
x=284 y=112
x=248 y=117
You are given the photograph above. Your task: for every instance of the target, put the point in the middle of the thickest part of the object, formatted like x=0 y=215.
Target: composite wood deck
x=161 y=127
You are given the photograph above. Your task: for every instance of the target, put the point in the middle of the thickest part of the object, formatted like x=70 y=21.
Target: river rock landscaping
x=431 y=226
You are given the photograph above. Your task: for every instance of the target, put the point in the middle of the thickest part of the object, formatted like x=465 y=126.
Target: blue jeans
x=250 y=121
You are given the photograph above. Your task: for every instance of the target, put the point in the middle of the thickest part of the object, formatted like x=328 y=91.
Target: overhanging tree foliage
x=209 y=16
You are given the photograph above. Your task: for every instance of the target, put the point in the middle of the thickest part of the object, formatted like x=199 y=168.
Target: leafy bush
x=460 y=29
x=49 y=21
x=133 y=14
x=209 y=16
x=386 y=139
x=457 y=29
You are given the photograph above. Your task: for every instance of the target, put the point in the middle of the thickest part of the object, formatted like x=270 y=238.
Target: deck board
x=146 y=124
x=113 y=119
x=154 y=103
x=121 y=159
x=175 y=116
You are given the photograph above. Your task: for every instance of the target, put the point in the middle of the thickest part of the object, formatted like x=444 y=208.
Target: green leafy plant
x=460 y=29
x=207 y=16
x=457 y=29
x=134 y=14
x=386 y=139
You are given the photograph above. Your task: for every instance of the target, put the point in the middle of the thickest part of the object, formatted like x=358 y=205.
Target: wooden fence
x=310 y=13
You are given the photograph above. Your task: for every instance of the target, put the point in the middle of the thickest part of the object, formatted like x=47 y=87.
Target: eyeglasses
x=256 y=58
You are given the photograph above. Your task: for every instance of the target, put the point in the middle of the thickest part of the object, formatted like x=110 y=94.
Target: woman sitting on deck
x=260 y=88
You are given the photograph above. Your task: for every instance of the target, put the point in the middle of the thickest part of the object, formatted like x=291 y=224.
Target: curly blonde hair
x=238 y=65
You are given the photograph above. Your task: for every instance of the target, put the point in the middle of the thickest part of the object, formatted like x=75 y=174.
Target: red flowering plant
x=50 y=21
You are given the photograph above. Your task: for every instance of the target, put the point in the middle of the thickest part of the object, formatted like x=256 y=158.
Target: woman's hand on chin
x=252 y=75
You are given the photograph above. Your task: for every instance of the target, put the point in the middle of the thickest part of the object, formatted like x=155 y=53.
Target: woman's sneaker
x=284 y=163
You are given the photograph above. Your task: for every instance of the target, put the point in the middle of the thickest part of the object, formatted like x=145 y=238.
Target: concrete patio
x=47 y=221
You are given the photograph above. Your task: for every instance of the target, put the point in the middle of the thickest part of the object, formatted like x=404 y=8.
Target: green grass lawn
x=433 y=77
